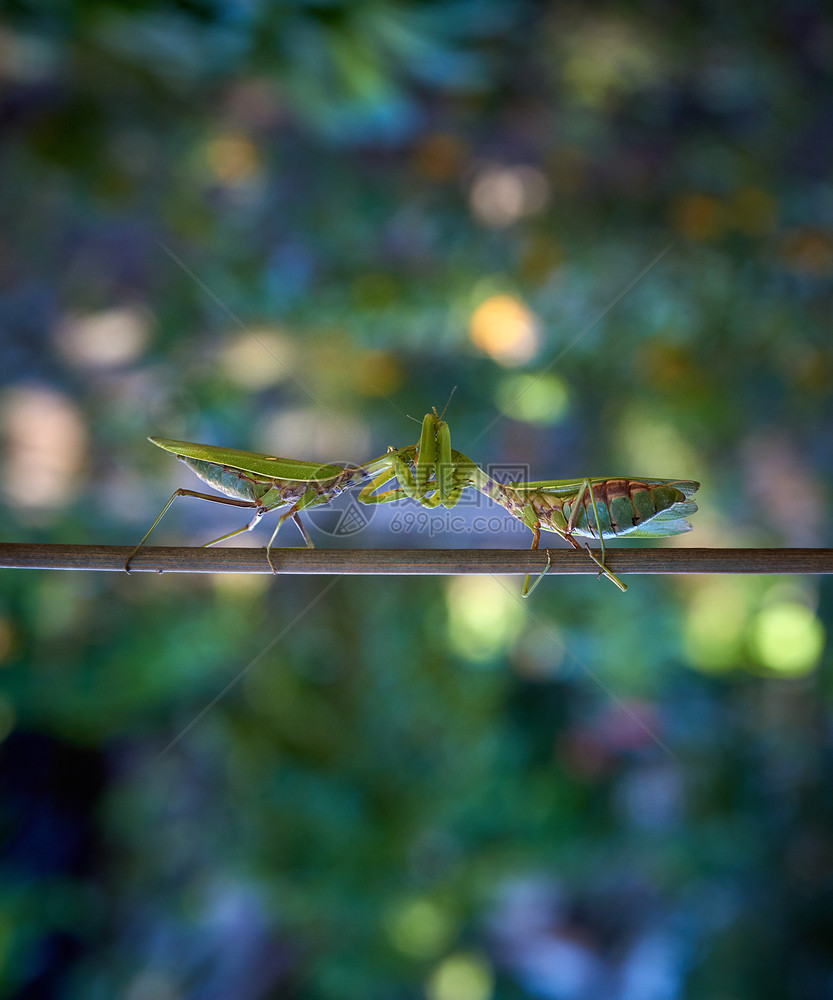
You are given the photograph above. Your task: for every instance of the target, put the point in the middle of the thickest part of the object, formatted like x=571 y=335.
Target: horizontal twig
x=411 y=562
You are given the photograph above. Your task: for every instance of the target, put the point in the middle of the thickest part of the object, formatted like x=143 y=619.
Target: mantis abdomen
x=623 y=506
x=243 y=485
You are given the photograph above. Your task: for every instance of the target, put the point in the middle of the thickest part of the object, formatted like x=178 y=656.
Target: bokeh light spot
x=104 y=339
x=604 y=57
x=461 y=977
x=311 y=434
x=502 y=195
x=787 y=638
x=46 y=445
x=232 y=158
x=506 y=329
x=484 y=619
x=256 y=362
x=534 y=399
x=715 y=625
x=419 y=928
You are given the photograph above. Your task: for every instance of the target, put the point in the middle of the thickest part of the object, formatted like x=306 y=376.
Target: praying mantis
x=263 y=483
x=260 y=482
x=433 y=473
x=603 y=507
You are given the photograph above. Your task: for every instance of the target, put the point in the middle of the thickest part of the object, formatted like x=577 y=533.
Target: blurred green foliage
x=284 y=226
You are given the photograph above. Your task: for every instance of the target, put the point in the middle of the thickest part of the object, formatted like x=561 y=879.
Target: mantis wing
x=674 y=525
x=251 y=461
x=567 y=487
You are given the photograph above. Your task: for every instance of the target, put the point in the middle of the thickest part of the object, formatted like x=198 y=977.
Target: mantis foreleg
x=414 y=466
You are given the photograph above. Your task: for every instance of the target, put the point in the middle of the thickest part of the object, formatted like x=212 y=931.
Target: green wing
x=666 y=523
x=566 y=487
x=251 y=461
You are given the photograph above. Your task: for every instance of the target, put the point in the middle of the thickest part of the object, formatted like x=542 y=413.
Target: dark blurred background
x=289 y=226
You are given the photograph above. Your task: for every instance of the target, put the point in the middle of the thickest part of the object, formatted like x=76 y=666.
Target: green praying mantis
x=603 y=507
x=260 y=482
x=432 y=473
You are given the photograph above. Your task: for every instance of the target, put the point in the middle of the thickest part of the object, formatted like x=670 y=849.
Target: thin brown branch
x=411 y=562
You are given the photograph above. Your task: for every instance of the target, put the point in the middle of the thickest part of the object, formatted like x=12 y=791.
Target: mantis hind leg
x=310 y=499
x=293 y=513
x=246 y=527
x=587 y=487
x=199 y=496
x=527 y=590
x=536 y=538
